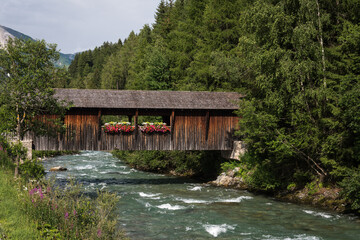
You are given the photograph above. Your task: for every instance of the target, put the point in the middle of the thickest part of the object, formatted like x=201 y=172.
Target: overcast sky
x=77 y=25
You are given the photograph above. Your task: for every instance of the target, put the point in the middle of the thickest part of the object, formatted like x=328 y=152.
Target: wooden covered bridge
x=197 y=120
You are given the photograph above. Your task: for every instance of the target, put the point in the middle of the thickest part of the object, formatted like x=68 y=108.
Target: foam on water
x=216 y=230
x=171 y=207
x=324 y=215
x=296 y=237
x=235 y=200
x=196 y=188
x=88 y=154
x=86 y=167
x=193 y=200
x=150 y=196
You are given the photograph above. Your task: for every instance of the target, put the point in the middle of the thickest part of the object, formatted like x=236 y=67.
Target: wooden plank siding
x=191 y=130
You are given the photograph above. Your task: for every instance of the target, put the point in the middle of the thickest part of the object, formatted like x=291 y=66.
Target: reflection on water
x=155 y=206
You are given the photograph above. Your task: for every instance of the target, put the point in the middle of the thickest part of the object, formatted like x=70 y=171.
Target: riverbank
x=327 y=198
x=203 y=165
x=42 y=155
x=178 y=164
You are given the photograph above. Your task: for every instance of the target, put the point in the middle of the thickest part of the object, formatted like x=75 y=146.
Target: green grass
x=14 y=224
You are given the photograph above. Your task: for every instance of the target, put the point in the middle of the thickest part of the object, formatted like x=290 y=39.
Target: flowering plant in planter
x=118 y=127
x=157 y=127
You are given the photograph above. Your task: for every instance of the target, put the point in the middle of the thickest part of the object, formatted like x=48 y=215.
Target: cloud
x=77 y=24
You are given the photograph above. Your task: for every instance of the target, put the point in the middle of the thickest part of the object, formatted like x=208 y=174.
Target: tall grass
x=69 y=214
x=14 y=223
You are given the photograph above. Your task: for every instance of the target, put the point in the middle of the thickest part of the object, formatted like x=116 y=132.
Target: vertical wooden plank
x=136 y=126
x=172 y=123
x=207 y=122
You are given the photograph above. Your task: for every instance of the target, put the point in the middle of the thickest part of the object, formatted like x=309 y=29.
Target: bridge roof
x=131 y=99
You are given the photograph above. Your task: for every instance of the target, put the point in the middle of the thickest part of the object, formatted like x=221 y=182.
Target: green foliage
x=293 y=117
x=351 y=188
x=230 y=165
x=51 y=153
x=31 y=169
x=5 y=161
x=291 y=187
x=202 y=164
x=26 y=73
x=48 y=232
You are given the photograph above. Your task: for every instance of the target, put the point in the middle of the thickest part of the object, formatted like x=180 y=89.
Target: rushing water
x=154 y=206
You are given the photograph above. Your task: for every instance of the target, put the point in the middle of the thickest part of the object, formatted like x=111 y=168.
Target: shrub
x=351 y=188
x=202 y=164
x=5 y=161
x=51 y=153
x=32 y=170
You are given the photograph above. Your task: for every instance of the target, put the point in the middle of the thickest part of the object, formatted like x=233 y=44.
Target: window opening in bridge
x=113 y=118
x=152 y=119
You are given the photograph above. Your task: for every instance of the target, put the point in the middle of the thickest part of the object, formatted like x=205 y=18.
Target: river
x=155 y=206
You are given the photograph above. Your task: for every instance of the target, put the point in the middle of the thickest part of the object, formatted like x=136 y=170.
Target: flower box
x=157 y=127
x=118 y=127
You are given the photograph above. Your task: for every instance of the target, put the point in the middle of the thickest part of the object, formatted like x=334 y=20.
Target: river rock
x=58 y=168
x=228 y=179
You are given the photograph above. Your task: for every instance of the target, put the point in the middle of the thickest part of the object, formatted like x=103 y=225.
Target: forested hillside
x=297 y=61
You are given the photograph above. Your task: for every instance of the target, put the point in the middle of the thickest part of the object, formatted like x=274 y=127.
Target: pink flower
x=66 y=215
x=99 y=233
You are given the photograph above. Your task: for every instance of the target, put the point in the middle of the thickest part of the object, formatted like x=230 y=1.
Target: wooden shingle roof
x=130 y=99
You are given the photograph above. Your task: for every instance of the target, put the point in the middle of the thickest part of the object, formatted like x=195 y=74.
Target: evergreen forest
x=296 y=61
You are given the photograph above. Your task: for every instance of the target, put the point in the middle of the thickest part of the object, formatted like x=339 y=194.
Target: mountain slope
x=5 y=32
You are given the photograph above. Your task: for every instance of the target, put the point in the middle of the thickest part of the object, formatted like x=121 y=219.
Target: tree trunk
x=18 y=134
x=321 y=41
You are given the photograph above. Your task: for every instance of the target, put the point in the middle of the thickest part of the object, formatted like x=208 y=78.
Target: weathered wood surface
x=190 y=131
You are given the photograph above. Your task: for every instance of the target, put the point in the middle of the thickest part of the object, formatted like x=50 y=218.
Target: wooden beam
x=136 y=126
x=99 y=125
x=207 y=122
x=172 y=124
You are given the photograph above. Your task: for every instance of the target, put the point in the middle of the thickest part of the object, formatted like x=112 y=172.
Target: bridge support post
x=136 y=127
x=172 y=124
x=238 y=151
x=207 y=123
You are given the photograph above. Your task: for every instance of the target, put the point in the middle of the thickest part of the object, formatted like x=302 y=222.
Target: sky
x=77 y=25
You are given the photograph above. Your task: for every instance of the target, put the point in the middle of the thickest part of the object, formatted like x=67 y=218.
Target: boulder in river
x=229 y=179
x=58 y=168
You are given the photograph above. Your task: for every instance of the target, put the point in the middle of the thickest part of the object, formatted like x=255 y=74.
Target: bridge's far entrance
x=197 y=120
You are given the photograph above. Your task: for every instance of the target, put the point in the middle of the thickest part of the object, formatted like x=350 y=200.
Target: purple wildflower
x=41 y=194
x=66 y=215
x=74 y=212
x=99 y=233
